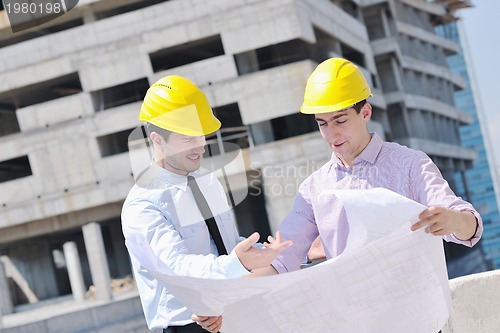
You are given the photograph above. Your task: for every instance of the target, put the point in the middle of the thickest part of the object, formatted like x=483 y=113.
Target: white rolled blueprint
x=389 y=279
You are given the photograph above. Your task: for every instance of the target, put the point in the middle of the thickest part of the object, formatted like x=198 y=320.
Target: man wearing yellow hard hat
x=336 y=94
x=180 y=212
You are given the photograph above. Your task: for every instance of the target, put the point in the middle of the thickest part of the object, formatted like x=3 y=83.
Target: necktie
x=202 y=204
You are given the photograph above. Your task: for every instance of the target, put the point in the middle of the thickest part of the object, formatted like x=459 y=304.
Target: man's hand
x=209 y=323
x=441 y=221
x=252 y=257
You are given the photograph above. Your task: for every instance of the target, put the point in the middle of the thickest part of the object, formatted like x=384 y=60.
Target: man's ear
x=156 y=138
x=366 y=111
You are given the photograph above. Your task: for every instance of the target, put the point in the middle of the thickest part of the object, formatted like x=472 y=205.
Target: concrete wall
x=59 y=136
x=475 y=299
x=476 y=303
x=123 y=315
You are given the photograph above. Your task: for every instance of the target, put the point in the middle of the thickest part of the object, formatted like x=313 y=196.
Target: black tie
x=202 y=204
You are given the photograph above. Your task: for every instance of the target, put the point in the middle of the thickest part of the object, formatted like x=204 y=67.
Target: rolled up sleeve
x=431 y=189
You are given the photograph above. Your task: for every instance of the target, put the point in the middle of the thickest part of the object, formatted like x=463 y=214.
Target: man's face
x=345 y=132
x=181 y=154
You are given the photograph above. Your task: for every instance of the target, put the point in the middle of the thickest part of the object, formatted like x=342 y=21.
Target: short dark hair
x=150 y=128
x=359 y=105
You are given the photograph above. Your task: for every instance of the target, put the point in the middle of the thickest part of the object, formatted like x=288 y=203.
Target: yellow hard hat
x=336 y=84
x=176 y=104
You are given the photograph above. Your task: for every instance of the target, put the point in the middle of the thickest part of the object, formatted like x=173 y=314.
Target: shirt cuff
x=234 y=267
x=278 y=266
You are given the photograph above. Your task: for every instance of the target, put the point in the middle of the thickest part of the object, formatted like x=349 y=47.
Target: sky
x=482 y=33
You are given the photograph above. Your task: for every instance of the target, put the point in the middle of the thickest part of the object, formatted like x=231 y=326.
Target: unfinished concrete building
x=71 y=90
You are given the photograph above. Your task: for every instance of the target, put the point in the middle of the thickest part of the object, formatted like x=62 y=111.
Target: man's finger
x=211 y=322
x=420 y=224
x=424 y=214
x=198 y=318
x=279 y=246
x=214 y=327
x=250 y=241
x=433 y=210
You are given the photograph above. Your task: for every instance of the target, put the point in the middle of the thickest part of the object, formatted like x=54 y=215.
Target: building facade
x=71 y=90
x=475 y=184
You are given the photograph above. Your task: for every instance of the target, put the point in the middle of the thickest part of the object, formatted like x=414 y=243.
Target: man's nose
x=329 y=132
x=200 y=144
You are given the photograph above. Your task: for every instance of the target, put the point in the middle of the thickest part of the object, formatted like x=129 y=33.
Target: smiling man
x=181 y=212
x=336 y=93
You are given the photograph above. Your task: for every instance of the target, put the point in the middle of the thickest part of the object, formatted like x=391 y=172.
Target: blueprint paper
x=389 y=279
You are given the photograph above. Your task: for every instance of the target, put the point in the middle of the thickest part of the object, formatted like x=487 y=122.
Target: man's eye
x=322 y=124
x=341 y=121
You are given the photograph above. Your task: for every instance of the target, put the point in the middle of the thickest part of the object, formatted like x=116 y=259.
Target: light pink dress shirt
x=381 y=164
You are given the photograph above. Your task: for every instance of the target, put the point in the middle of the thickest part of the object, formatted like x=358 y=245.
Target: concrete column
x=88 y=16
x=385 y=23
x=99 y=269
x=74 y=271
x=6 y=305
x=397 y=74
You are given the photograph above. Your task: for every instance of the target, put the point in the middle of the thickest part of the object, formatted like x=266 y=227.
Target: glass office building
x=475 y=184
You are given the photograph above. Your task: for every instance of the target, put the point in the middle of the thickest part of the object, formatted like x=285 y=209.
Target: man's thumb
x=251 y=240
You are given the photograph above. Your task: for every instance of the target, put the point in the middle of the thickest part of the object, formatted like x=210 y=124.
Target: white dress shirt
x=161 y=209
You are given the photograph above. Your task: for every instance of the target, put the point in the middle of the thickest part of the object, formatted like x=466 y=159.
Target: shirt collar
x=368 y=154
x=156 y=173
x=372 y=150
